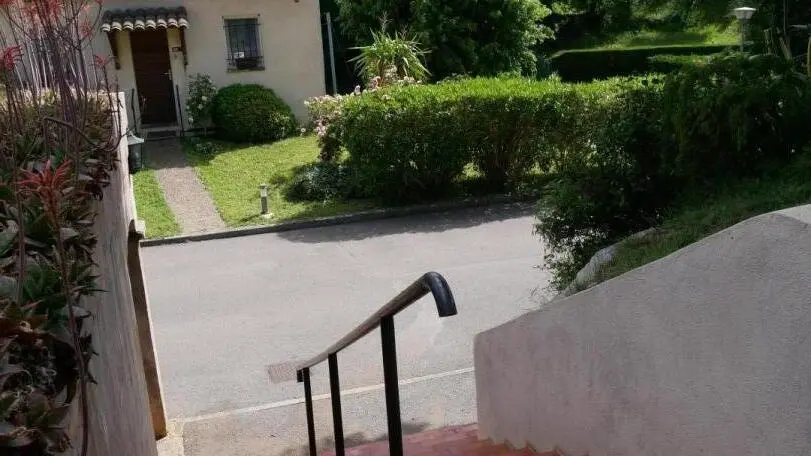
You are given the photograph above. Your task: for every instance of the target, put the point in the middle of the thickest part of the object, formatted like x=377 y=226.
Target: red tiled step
x=451 y=441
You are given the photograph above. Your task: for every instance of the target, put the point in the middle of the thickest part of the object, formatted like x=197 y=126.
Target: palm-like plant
x=391 y=56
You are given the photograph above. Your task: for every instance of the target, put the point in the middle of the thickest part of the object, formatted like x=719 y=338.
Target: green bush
x=322 y=181
x=406 y=144
x=735 y=114
x=411 y=143
x=610 y=180
x=579 y=65
x=650 y=142
x=251 y=113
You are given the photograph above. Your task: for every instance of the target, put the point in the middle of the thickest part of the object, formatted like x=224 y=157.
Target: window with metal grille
x=244 y=47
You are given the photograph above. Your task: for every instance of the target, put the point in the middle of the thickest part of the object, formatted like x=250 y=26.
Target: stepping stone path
x=186 y=196
x=452 y=441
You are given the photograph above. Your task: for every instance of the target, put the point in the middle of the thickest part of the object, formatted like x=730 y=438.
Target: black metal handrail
x=384 y=318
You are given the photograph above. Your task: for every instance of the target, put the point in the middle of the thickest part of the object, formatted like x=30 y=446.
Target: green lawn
x=707 y=35
x=693 y=220
x=695 y=36
x=233 y=176
x=151 y=207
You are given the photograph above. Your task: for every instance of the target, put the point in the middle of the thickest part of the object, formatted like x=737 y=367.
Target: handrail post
x=335 y=393
x=430 y=282
x=308 y=401
x=392 y=385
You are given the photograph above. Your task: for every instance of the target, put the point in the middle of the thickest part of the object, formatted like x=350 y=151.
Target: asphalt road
x=225 y=310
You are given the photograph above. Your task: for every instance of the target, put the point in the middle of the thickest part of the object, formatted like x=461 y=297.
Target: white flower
x=200 y=106
x=204 y=98
x=191 y=119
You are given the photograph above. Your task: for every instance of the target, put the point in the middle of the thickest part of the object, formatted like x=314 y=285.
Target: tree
x=480 y=37
x=361 y=18
x=476 y=37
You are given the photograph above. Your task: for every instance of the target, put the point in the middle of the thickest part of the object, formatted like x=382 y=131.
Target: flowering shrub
x=325 y=112
x=198 y=103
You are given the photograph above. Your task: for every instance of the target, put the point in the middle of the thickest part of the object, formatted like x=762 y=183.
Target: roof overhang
x=139 y=19
x=144 y=19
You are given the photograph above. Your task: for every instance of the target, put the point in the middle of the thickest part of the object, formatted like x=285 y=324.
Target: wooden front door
x=153 y=77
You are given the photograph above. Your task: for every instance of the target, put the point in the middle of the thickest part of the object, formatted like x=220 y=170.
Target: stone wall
x=704 y=352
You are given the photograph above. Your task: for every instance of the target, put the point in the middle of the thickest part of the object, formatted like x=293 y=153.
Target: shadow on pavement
x=423 y=223
x=351 y=440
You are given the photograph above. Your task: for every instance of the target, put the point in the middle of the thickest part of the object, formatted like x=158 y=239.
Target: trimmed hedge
x=735 y=114
x=688 y=135
x=670 y=63
x=406 y=145
x=411 y=143
x=582 y=65
x=251 y=113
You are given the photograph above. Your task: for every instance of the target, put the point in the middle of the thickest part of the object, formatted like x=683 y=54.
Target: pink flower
x=85 y=29
x=101 y=62
x=9 y=57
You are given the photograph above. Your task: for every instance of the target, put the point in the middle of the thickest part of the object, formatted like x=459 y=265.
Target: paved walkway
x=229 y=313
x=185 y=194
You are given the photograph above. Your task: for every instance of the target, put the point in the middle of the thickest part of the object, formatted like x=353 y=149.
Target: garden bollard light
x=744 y=15
x=263 y=193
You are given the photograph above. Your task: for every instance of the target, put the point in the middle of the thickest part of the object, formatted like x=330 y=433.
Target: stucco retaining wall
x=705 y=352
x=120 y=417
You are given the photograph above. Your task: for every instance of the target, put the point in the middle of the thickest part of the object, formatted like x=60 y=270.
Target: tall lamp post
x=744 y=14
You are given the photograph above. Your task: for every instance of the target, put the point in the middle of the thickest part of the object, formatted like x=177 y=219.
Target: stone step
x=451 y=441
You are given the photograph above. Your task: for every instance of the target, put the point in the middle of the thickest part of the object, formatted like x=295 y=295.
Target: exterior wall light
x=135 y=159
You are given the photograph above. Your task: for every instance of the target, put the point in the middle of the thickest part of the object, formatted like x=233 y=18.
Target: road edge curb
x=355 y=217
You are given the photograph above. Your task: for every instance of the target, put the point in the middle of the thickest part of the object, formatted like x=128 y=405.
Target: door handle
x=168 y=74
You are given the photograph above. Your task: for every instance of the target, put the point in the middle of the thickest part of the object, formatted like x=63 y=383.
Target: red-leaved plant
x=58 y=138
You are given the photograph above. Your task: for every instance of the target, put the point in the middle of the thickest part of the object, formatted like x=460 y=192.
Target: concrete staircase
x=452 y=441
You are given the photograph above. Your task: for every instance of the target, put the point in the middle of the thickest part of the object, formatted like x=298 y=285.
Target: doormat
x=163 y=134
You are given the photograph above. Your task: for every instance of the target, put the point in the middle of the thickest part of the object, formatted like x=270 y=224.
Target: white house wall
x=290 y=36
x=124 y=78
x=179 y=73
